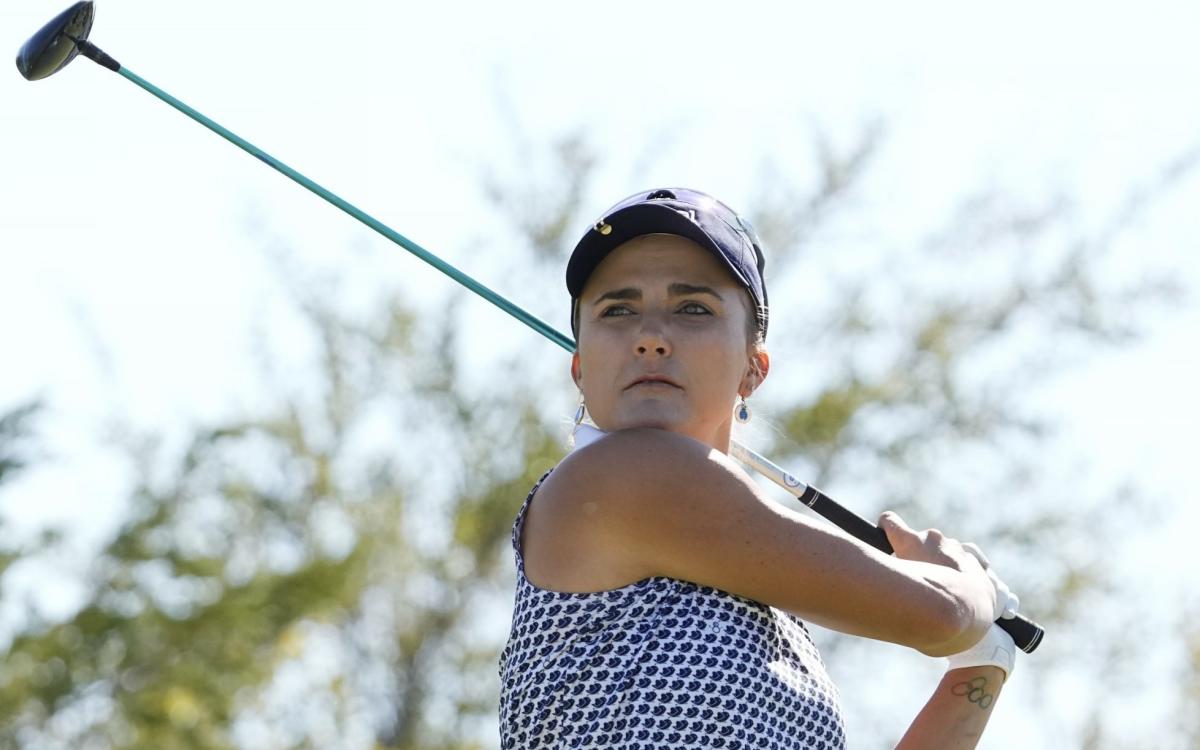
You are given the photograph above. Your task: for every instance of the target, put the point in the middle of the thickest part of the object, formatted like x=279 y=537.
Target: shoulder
x=606 y=510
x=636 y=457
x=630 y=474
x=609 y=513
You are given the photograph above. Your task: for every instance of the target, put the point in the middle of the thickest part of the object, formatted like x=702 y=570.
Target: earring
x=743 y=411
x=581 y=412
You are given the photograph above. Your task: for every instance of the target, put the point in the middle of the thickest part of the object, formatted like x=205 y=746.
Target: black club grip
x=1026 y=633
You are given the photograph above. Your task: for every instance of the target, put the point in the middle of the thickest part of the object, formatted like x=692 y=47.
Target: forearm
x=956 y=714
x=969 y=608
x=930 y=608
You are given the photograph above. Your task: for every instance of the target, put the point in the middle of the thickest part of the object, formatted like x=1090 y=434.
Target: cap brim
x=632 y=222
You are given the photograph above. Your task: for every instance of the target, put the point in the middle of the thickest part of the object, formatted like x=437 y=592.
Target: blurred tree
x=335 y=571
x=1187 y=708
x=15 y=435
x=290 y=537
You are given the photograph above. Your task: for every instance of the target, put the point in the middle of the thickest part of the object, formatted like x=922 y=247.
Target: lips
x=653 y=381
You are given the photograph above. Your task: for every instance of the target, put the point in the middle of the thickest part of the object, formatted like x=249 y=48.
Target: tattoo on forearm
x=974 y=691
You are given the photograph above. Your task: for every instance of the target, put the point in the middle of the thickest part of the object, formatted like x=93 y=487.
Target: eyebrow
x=678 y=289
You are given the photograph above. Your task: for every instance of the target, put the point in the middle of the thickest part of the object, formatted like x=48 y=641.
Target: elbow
x=953 y=625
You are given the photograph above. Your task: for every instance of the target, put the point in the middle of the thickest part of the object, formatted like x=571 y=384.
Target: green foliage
x=1188 y=711
x=15 y=446
x=337 y=566
x=262 y=543
x=14 y=435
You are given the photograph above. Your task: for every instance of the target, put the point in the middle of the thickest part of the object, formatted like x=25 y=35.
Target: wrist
x=996 y=649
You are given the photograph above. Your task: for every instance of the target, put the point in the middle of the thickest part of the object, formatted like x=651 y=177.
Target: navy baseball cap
x=687 y=213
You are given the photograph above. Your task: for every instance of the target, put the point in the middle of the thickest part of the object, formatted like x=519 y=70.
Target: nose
x=652 y=338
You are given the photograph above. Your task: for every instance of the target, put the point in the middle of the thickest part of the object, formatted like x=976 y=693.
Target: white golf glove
x=996 y=649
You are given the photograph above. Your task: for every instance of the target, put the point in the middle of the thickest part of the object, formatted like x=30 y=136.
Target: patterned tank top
x=660 y=663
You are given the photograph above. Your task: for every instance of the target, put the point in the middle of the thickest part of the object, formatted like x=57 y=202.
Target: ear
x=756 y=373
x=576 y=372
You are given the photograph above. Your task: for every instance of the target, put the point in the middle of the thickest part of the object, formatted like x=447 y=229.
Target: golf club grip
x=1026 y=633
x=845 y=519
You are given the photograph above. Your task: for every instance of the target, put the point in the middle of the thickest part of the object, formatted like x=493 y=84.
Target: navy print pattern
x=660 y=663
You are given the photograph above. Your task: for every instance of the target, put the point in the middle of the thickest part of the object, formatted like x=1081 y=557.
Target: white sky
x=125 y=227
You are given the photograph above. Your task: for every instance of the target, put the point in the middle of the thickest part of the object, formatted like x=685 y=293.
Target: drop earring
x=743 y=411
x=581 y=412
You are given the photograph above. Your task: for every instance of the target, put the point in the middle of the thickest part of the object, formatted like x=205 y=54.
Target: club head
x=54 y=45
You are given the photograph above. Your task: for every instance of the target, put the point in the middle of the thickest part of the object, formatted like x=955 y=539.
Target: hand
x=932 y=546
x=1008 y=601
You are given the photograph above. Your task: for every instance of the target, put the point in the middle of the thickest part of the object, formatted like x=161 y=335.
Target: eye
x=615 y=310
x=694 y=308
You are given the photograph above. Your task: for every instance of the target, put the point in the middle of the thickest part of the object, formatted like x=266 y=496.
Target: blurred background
x=258 y=466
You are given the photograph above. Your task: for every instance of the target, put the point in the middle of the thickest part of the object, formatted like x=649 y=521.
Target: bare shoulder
x=600 y=517
x=629 y=465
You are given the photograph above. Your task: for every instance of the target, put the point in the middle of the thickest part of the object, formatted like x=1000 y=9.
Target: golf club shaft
x=520 y=314
x=818 y=501
x=1026 y=634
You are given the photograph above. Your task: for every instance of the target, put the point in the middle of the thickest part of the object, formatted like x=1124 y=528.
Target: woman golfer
x=659 y=593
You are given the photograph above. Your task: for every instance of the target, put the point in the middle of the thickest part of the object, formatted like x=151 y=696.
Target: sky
x=130 y=238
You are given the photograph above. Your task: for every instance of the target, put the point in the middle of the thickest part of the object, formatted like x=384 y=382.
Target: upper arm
x=663 y=504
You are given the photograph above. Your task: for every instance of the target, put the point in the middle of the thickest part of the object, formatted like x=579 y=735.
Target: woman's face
x=663 y=340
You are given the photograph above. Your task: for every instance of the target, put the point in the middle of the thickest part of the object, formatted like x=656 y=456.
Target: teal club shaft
x=566 y=342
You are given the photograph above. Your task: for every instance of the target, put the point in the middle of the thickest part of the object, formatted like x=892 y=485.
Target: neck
x=723 y=437
x=586 y=434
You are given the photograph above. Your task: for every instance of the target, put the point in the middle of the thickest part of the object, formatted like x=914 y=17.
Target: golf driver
x=57 y=43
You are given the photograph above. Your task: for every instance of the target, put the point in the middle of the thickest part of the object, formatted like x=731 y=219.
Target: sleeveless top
x=660 y=663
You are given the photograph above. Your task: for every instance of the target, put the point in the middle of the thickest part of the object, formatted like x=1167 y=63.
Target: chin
x=652 y=415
